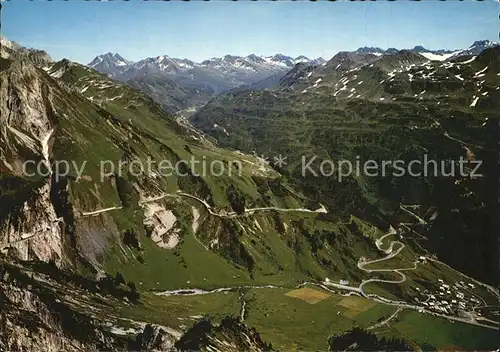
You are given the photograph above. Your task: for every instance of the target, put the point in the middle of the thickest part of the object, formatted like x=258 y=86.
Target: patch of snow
x=116 y=330
x=474 y=102
x=58 y=74
x=436 y=57
x=483 y=70
x=257 y=224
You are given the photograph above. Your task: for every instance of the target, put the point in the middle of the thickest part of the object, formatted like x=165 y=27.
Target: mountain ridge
x=195 y=83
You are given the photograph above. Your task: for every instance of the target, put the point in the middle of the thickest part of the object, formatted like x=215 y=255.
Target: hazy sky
x=80 y=30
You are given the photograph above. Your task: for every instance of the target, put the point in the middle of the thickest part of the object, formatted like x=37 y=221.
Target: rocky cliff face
x=229 y=335
x=27 y=125
x=33 y=325
x=32 y=231
x=154 y=338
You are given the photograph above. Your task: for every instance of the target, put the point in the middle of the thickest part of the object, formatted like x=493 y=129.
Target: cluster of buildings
x=449 y=299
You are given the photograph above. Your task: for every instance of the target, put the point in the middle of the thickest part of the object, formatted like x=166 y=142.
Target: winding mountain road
x=362 y=264
x=400 y=304
x=100 y=211
x=251 y=211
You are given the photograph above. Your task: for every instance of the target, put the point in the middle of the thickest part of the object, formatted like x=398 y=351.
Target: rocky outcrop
x=154 y=338
x=12 y=50
x=30 y=324
x=33 y=316
x=30 y=227
x=26 y=116
x=32 y=231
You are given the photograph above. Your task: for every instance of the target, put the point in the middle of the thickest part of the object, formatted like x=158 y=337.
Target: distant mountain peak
x=475 y=49
x=162 y=58
x=253 y=57
x=229 y=57
x=110 y=63
x=301 y=59
x=369 y=50
x=485 y=43
x=439 y=54
x=110 y=58
x=279 y=56
x=419 y=49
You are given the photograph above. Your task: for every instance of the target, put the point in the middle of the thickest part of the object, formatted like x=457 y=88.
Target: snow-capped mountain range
x=109 y=63
x=475 y=49
x=116 y=66
x=251 y=68
x=438 y=55
x=208 y=78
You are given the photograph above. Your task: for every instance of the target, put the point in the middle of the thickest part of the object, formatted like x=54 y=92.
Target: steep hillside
x=248 y=222
x=102 y=247
x=396 y=107
x=42 y=306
